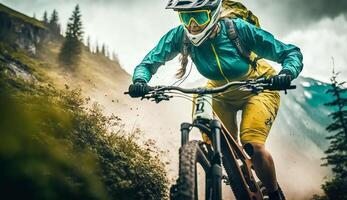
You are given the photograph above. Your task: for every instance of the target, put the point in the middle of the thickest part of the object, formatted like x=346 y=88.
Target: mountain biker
x=218 y=59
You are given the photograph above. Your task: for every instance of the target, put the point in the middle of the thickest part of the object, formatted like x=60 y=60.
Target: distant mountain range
x=303 y=111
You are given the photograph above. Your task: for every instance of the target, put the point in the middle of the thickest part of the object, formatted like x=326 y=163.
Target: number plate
x=203 y=108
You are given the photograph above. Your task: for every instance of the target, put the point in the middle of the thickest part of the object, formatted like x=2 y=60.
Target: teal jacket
x=218 y=58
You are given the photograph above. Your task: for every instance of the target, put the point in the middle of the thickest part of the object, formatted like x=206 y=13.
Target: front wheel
x=186 y=187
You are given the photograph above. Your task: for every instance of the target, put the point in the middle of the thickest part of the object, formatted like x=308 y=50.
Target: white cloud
x=319 y=43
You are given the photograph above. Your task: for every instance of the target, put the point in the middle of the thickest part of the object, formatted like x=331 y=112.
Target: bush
x=53 y=146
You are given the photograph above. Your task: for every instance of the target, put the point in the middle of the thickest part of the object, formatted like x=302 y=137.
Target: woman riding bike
x=218 y=59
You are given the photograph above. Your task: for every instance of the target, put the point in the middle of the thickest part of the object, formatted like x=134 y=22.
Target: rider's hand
x=282 y=80
x=138 y=89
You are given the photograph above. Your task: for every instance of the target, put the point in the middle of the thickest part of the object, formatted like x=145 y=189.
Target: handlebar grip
x=148 y=89
x=292 y=87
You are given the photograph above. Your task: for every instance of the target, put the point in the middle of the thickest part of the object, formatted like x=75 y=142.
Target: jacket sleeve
x=167 y=48
x=265 y=45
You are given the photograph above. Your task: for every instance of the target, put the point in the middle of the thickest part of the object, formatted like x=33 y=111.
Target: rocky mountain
x=17 y=28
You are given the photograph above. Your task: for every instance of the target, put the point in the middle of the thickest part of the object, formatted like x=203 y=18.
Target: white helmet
x=191 y=5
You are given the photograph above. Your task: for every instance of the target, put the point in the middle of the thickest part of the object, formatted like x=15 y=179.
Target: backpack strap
x=235 y=39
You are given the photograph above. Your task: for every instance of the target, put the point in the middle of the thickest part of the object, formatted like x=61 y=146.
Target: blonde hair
x=184 y=62
x=183 y=58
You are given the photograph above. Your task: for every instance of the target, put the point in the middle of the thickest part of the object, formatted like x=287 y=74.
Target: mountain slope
x=308 y=101
x=55 y=143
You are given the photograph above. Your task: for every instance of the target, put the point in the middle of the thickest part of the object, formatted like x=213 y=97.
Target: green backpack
x=232 y=9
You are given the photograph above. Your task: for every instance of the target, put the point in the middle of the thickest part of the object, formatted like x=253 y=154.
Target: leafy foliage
x=56 y=145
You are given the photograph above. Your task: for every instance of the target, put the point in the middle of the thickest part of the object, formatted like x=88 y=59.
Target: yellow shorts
x=258 y=111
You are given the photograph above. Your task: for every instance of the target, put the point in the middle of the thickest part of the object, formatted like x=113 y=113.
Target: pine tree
x=103 y=50
x=88 y=44
x=336 y=158
x=72 y=47
x=97 y=47
x=45 y=17
x=107 y=53
x=54 y=25
x=74 y=27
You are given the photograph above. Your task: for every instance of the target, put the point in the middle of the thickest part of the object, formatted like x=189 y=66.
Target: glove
x=139 y=88
x=281 y=81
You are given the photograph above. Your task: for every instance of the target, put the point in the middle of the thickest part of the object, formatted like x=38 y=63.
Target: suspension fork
x=216 y=170
x=185 y=129
x=216 y=162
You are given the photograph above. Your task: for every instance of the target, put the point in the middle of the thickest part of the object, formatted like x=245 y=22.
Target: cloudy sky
x=132 y=27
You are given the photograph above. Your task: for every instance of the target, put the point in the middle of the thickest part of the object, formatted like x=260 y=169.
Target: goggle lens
x=201 y=17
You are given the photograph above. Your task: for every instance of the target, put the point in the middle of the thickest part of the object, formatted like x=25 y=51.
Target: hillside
x=55 y=141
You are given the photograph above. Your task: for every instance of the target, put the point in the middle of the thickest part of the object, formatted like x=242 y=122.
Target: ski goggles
x=201 y=17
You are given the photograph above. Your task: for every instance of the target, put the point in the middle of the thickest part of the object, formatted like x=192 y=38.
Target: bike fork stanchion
x=208 y=186
x=217 y=160
x=185 y=133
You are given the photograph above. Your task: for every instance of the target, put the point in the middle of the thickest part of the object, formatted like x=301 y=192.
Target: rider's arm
x=266 y=46
x=167 y=48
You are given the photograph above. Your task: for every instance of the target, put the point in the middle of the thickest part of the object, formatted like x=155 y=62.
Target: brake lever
x=157 y=96
x=254 y=87
x=161 y=97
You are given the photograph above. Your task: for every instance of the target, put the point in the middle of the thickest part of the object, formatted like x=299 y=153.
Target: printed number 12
x=200 y=107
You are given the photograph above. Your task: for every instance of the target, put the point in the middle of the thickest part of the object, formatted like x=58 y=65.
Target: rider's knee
x=255 y=149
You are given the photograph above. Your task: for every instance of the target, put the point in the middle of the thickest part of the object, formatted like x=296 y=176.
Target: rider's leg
x=258 y=115
x=264 y=167
x=227 y=116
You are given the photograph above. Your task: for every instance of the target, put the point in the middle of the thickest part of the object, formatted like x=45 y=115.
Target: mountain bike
x=220 y=150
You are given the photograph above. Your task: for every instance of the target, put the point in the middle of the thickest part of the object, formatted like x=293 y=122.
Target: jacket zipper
x=218 y=63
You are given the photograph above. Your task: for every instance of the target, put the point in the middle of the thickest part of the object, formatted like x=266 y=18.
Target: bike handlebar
x=255 y=86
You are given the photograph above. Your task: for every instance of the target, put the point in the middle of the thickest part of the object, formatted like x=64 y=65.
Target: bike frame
x=222 y=141
x=224 y=147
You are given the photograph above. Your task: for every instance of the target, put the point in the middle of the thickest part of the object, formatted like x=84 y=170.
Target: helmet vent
x=178 y=5
x=200 y=2
x=170 y=3
x=183 y=3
